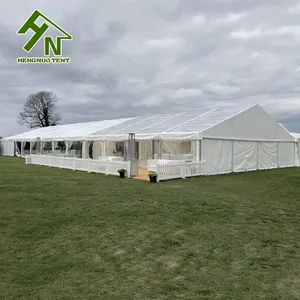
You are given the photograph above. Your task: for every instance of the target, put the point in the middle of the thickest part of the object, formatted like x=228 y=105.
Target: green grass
x=73 y=235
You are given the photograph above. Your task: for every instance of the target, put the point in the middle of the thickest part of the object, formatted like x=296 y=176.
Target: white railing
x=89 y=165
x=170 y=156
x=152 y=163
x=111 y=158
x=180 y=170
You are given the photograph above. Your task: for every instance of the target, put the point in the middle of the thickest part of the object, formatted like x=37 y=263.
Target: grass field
x=73 y=235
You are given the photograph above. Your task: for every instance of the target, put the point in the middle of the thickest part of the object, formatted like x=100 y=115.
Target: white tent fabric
x=244 y=156
x=249 y=124
x=267 y=155
x=286 y=154
x=225 y=156
x=8 y=147
x=297 y=154
x=218 y=156
x=296 y=136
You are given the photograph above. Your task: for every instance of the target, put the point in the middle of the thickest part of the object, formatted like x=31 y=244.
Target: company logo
x=50 y=45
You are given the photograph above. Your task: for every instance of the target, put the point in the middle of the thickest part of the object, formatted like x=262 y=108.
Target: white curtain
x=267 y=155
x=296 y=163
x=110 y=148
x=194 y=147
x=244 y=156
x=177 y=150
x=17 y=150
x=145 y=150
x=297 y=154
x=218 y=156
x=70 y=145
x=33 y=149
x=286 y=154
x=97 y=149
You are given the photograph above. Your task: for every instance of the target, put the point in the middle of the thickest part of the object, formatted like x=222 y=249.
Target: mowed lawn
x=74 y=235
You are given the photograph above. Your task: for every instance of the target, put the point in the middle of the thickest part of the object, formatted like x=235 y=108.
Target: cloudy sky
x=137 y=57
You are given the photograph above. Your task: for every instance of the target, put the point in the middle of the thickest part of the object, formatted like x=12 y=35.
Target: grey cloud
x=221 y=6
x=134 y=57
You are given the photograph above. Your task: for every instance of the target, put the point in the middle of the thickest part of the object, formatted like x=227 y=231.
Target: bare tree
x=40 y=110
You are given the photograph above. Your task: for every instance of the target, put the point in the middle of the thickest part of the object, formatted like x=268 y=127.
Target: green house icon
x=39 y=32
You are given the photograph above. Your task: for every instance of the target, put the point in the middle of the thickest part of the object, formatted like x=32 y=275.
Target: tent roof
x=296 y=136
x=64 y=132
x=195 y=123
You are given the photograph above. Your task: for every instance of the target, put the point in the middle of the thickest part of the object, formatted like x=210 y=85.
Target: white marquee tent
x=229 y=139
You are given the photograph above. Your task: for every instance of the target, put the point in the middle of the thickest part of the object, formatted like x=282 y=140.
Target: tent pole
x=277 y=156
x=67 y=148
x=232 y=156
x=159 y=148
x=153 y=148
x=295 y=155
x=103 y=148
x=198 y=150
x=84 y=150
x=257 y=168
